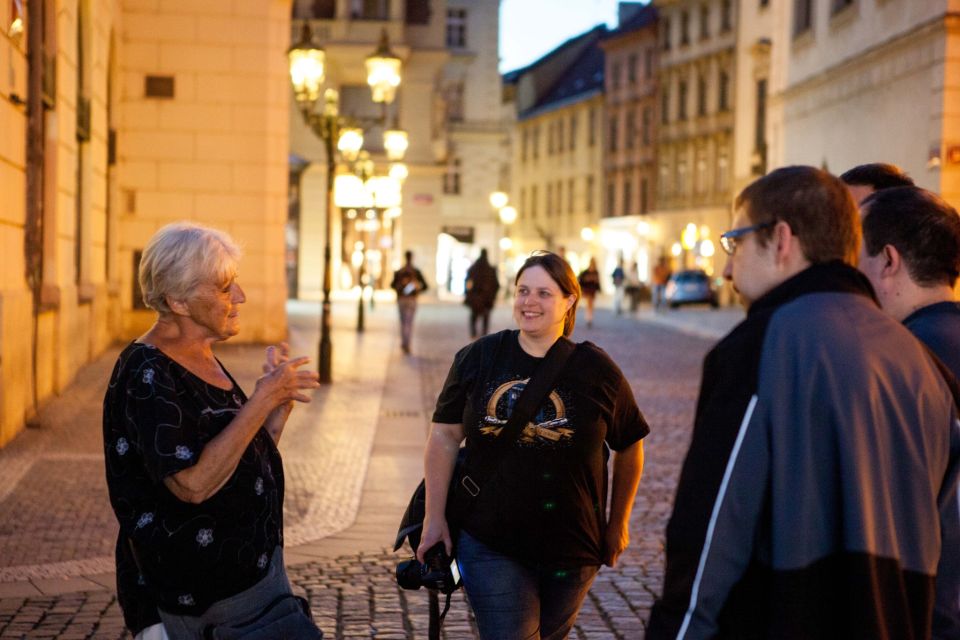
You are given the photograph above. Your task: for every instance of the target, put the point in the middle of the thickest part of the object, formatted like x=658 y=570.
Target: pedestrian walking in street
x=408 y=282
x=537 y=531
x=818 y=498
x=589 y=280
x=661 y=274
x=864 y=179
x=192 y=467
x=481 y=293
x=618 y=277
x=911 y=255
x=632 y=287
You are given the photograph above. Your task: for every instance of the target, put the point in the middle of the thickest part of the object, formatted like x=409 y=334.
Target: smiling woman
x=545 y=304
x=538 y=525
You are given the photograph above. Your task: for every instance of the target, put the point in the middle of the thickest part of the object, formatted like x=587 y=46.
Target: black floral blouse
x=157 y=417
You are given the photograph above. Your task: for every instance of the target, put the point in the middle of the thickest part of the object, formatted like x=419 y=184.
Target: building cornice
x=559 y=104
x=881 y=73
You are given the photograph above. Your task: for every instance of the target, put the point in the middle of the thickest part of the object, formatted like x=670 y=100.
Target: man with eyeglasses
x=819 y=495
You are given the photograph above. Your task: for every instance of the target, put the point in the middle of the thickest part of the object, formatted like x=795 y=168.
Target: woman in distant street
x=193 y=471
x=589 y=280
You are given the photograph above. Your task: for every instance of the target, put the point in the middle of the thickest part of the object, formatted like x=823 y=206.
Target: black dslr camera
x=439 y=571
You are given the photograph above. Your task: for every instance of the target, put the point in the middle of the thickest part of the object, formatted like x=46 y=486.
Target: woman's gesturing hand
x=278 y=356
x=434 y=531
x=281 y=381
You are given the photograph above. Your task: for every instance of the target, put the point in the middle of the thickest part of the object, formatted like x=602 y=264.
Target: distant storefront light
x=707 y=249
x=688 y=238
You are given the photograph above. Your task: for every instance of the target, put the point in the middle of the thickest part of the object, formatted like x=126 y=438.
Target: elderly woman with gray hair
x=193 y=471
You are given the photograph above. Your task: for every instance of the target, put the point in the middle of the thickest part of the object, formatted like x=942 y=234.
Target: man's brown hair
x=878 y=175
x=922 y=226
x=816 y=205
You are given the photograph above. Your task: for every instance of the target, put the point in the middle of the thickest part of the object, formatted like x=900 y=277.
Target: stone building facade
x=857 y=81
x=448 y=102
x=630 y=167
x=120 y=116
x=696 y=142
x=752 y=93
x=558 y=142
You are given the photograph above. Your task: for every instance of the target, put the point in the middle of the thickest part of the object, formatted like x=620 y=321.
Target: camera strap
x=538 y=387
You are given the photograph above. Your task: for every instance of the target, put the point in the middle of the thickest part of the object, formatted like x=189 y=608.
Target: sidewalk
x=57 y=532
x=351 y=457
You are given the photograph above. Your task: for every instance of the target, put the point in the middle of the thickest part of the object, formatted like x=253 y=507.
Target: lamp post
x=307 y=62
x=508 y=215
x=306 y=73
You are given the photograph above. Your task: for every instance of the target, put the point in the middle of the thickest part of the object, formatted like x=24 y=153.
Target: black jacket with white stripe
x=819 y=495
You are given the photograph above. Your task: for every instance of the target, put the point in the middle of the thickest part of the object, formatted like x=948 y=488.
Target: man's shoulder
x=842 y=332
x=940 y=316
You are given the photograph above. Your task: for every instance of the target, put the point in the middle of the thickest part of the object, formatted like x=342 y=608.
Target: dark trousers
x=408 y=308
x=479 y=314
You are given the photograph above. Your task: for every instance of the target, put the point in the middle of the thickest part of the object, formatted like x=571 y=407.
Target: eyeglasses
x=730 y=239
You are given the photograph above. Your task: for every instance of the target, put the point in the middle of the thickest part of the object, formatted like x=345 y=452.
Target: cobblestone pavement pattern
x=57 y=532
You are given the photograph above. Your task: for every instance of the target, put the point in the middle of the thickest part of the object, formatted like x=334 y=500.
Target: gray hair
x=181 y=256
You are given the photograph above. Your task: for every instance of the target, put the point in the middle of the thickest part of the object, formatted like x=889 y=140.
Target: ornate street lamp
x=395 y=143
x=383 y=71
x=306 y=74
x=399 y=171
x=307 y=63
x=350 y=143
x=306 y=67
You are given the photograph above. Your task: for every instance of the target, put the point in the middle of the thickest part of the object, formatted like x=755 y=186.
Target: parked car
x=690 y=287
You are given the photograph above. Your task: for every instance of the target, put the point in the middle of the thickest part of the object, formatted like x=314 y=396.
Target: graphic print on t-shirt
x=550 y=427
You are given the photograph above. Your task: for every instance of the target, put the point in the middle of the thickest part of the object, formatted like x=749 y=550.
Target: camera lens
x=409 y=573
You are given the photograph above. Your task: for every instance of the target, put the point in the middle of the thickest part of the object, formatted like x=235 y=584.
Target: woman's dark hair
x=560 y=272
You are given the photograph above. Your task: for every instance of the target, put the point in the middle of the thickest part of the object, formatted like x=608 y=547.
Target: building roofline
x=559 y=104
x=599 y=29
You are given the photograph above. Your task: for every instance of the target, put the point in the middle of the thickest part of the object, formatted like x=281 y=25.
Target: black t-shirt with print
x=546 y=504
x=157 y=417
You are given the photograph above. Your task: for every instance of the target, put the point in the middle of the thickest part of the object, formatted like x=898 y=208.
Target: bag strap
x=537 y=388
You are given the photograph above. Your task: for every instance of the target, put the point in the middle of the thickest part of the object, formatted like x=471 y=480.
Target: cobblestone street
x=352 y=457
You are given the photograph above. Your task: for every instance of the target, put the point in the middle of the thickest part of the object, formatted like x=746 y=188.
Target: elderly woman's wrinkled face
x=216 y=307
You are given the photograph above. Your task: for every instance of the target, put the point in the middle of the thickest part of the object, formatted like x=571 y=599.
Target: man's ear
x=892 y=261
x=784 y=241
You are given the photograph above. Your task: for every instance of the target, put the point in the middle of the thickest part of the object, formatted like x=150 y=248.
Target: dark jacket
x=481 y=286
x=826 y=450
x=408 y=282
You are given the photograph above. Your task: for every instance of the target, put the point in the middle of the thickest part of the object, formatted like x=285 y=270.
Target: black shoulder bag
x=466 y=484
